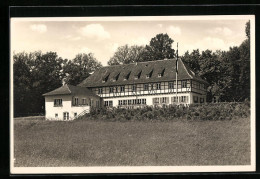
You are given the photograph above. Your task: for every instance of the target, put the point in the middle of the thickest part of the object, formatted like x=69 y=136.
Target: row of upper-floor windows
x=132 y=102
x=150 y=86
x=76 y=102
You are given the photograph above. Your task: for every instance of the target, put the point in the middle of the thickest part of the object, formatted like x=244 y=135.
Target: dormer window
x=116 y=77
x=127 y=76
x=105 y=78
x=160 y=74
x=149 y=74
x=138 y=75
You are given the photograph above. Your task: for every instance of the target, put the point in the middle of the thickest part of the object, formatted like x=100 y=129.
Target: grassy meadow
x=40 y=143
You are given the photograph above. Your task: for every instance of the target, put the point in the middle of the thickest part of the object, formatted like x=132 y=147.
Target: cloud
x=72 y=38
x=159 y=25
x=221 y=30
x=139 y=41
x=41 y=28
x=113 y=47
x=85 y=50
x=210 y=43
x=172 y=30
x=95 y=31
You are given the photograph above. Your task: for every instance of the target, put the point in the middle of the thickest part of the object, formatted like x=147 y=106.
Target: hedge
x=207 y=111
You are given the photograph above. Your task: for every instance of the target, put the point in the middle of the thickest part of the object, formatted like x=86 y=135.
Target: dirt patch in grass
x=39 y=143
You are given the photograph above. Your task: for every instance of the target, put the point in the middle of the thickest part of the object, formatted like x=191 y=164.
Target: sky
x=102 y=36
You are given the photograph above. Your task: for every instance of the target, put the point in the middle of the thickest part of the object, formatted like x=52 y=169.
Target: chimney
x=63 y=82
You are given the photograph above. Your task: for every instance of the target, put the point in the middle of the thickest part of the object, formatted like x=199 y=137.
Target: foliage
x=227 y=72
x=208 y=111
x=160 y=48
x=79 y=68
x=126 y=55
x=34 y=74
x=37 y=73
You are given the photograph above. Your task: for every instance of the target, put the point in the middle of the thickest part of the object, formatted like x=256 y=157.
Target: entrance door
x=65 y=116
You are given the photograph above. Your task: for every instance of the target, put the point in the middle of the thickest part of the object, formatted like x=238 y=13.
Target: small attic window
x=138 y=75
x=105 y=78
x=116 y=77
x=127 y=76
x=160 y=74
x=149 y=74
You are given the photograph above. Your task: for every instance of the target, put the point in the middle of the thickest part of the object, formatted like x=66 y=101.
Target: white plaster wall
x=50 y=110
x=149 y=98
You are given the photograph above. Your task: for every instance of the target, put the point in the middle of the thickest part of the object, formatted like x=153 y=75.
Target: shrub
x=207 y=111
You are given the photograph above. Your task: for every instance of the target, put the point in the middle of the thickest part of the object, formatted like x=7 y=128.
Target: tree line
x=35 y=73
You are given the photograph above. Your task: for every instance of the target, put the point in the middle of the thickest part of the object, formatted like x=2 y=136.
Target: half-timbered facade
x=147 y=83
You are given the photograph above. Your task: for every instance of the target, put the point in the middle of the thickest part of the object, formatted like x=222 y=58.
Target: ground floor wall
x=158 y=99
x=65 y=111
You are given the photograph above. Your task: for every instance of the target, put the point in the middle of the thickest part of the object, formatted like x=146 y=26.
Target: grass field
x=132 y=143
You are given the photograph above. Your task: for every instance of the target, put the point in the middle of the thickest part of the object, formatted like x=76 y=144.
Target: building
x=69 y=102
x=147 y=83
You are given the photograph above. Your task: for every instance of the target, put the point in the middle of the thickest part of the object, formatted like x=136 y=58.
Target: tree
x=247 y=30
x=34 y=74
x=160 y=48
x=126 y=55
x=80 y=68
x=192 y=60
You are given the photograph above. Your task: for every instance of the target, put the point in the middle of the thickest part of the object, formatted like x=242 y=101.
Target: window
x=139 y=101
x=159 y=75
x=163 y=99
x=116 y=89
x=110 y=103
x=84 y=101
x=100 y=90
x=174 y=99
x=111 y=89
x=65 y=116
x=184 y=84
x=146 y=87
x=143 y=101
x=183 y=99
x=75 y=114
x=148 y=76
x=156 y=100
x=195 y=99
x=134 y=101
x=171 y=86
x=201 y=100
x=151 y=86
x=129 y=102
x=97 y=104
x=57 y=102
x=76 y=101
x=91 y=102
x=133 y=88
x=106 y=103
x=158 y=86
x=56 y=115
x=122 y=89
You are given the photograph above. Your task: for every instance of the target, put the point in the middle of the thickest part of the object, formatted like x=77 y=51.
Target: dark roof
x=149 y=67
x=70 y=89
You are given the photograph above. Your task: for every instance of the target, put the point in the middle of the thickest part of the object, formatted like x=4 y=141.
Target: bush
x=207 y=111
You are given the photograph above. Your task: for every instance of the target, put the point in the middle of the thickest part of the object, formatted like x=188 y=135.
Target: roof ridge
x=68 y=87
x=186 y=69
x=140 y=62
